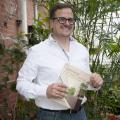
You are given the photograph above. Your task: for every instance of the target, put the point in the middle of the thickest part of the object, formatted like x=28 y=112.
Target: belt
x=60 y=111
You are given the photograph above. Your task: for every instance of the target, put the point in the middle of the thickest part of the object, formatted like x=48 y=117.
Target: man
x=38 y=77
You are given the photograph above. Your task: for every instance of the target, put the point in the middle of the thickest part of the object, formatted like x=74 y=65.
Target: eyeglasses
x=62 y=20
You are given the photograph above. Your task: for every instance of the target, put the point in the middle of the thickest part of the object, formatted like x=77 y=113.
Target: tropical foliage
x=98 y=28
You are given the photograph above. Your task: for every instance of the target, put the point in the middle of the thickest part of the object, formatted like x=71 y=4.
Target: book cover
x=76 y=81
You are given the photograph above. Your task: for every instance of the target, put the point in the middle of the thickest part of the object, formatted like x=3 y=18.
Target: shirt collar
x=52 y=39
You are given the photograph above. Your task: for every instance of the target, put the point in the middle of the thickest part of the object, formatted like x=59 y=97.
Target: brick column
x=23 y=9
x=35 y=9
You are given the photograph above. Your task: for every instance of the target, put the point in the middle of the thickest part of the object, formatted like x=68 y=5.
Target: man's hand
x=96 y=80
x=56 y=90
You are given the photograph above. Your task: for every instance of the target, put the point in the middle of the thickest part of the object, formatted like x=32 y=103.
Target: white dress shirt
x=42 y=67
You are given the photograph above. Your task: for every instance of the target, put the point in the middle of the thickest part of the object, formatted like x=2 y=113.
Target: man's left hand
x=96 y=80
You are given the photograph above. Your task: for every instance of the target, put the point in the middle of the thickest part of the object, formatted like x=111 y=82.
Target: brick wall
x=9 y=29
x=8 y=26
x=30 y=10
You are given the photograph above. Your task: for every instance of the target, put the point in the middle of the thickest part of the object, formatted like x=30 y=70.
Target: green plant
x=104 y=55
x=10 y=62
x=25 y=110
x=103 y=42
x=39 y=33
x=41 y=28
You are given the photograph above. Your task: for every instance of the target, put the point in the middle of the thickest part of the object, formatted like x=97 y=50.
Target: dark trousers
x=58 y=115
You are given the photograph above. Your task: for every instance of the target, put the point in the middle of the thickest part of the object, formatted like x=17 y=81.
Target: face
x=62 y=27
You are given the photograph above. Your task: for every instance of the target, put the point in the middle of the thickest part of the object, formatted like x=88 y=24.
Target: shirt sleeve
x=25 y=85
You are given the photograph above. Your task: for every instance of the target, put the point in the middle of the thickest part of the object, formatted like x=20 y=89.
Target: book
x=76 y=81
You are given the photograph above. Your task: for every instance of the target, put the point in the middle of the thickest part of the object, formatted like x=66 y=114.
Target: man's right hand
x=56 y=90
